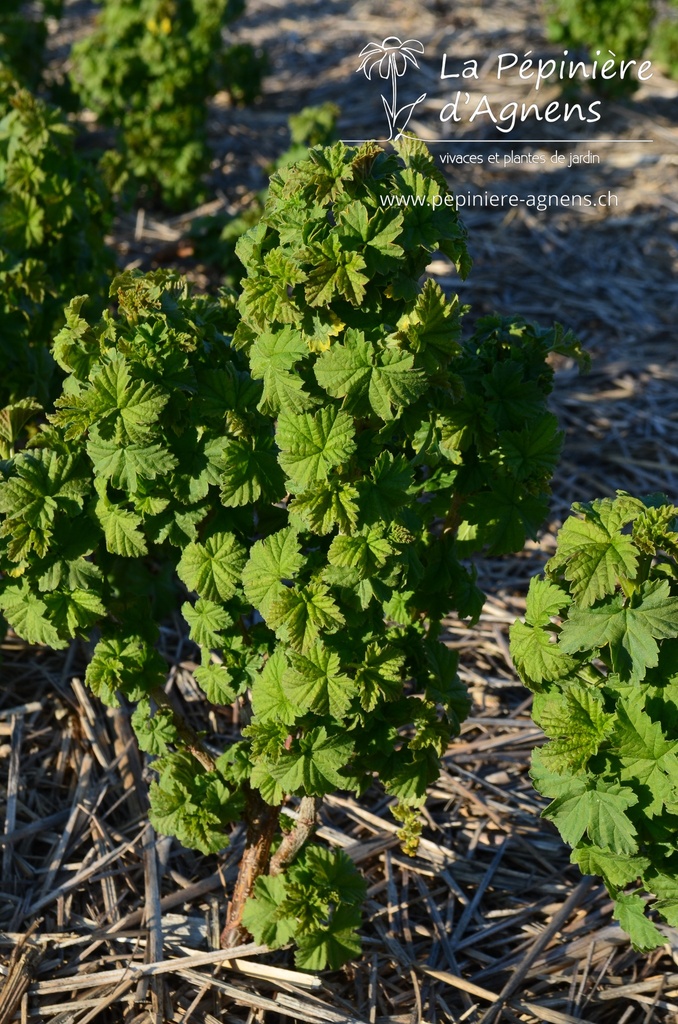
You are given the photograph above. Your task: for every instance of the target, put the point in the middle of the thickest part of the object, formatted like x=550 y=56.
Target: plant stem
x=304 y=828
x=187 y=734
x=262 y=821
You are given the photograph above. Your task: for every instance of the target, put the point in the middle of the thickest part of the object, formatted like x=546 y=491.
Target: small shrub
x=53 y=217
x=317 y=479
x=599 y=648
x=621 y=26
x=150 y=68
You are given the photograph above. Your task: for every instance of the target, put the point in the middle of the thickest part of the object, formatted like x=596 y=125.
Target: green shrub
x=150 y=68
x=620 y=26
x=22 y=39
x=664 y=45
x=317 y=480
x=53 y=217
x=599 y=646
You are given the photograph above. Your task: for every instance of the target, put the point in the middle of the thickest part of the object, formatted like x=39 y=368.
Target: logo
x=391 y=58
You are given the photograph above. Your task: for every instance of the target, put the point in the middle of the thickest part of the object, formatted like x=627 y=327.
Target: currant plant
x=22 y=39
x=150 y=68
x=599 y=647
x=318 y=474
x=53 y=216
x=620 y=29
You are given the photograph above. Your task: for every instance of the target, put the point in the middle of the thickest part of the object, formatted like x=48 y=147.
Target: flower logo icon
x=391 y=57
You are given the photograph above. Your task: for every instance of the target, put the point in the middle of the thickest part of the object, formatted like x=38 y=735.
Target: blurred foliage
x=622 y=27
x=54 y=211
x=149 y=68
x=22 y=38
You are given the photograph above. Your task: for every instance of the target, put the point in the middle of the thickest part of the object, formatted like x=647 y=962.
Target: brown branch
x=303 y=829
x=187 y=734
x=262 y=821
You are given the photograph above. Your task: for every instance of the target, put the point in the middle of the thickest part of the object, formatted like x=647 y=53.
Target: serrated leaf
x=271 y=561
x=126 y=465
x=328 y=504
x=600 y=812
x=312 y=444
x=312 y=766
x=213 y=569
x=629 y=910
x=537 y=656
x=648 y=759
x=250 y=471
x=316 y=683
x=260 y=913
x=379 y=675
x=593 y=551
x=576 y=723
x=332 y=945
x=618 y=871
x=630 y=630
x=272 y=358
x=365 y=551
x=28 y=615
x=300 y=613
x=206 y=621
x=75 y=610
x=270 y=700
x=121 y=528
x=216 y=682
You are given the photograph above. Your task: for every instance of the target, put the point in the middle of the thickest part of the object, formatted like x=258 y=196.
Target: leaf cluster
x=149 y=68
x=599 y=646
x=53 y=217
x=316 y=905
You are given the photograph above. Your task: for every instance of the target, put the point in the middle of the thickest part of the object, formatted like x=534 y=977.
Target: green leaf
x=357 y=372
x=649 y=760
x=270 y=700
x=617 y=870
x=329 y=504
x=537 y=656
x=379 y=676
x=313 y=764
x=629 y=910
x=213 y=569
x=600 y=812
x=544 y=600
x=121 y=527
x=272 y=358
x=260 y=916
x=593 y=551
x=124 y=663
x=300 y=613
x=216 y=682
x=28 y=615
x=206 y=621
x=316 y=683
x=271 y=561
x=155 y=733
x=630 y=630
x=575 y=721
x=126 y=465
x=312 y=444
x=365 y=551
x=332 y=945
x=249 y=471
x=75 y=610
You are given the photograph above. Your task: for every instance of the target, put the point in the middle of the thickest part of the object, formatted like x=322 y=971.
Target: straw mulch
x=100 y=919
